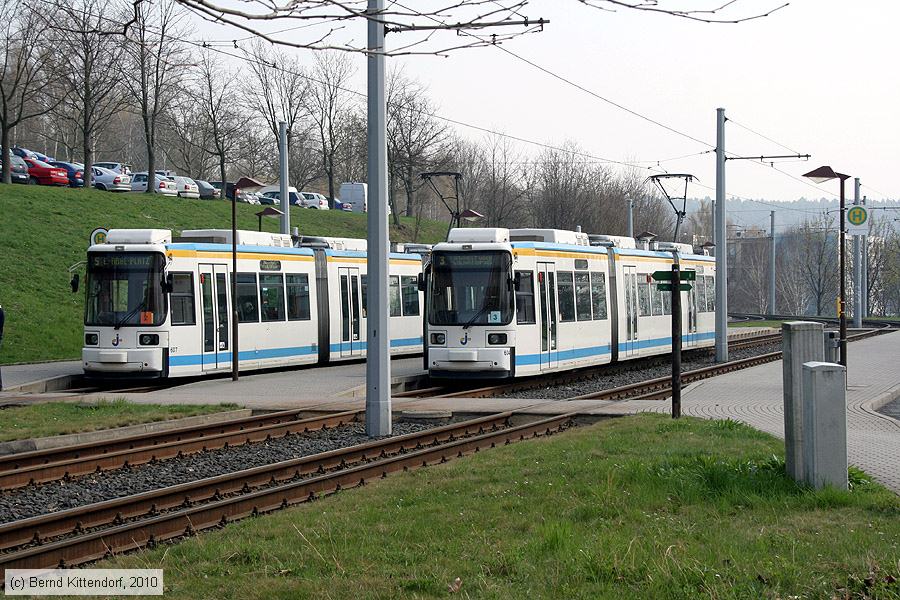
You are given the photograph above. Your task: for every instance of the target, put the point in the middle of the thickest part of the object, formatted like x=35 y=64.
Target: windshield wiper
x=130 y=314
x=478 y=314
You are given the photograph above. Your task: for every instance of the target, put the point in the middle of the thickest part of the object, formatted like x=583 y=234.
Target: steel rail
x=39 y=529
x=18 y=460
x=187 y=521
x=42 y=473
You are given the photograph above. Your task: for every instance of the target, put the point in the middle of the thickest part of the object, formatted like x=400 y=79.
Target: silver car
x=110 y=181
x=120 y=168
x=187 y=187
x=162 y=185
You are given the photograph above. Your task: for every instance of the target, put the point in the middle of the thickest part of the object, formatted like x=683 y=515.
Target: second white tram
x=518 y=302
x=162 y=308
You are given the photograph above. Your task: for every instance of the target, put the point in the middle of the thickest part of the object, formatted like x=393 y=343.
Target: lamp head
x=823 y=174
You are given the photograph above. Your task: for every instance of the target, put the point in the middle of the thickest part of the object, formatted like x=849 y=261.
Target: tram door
x=351 y=345
x=690 y=325
x=547 y=290
x=631 y=310
x=214 y=303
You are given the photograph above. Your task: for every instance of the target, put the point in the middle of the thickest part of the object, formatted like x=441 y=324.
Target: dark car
x=226 y=189
x=18 y=169
x=207 y=190
x=74 y=171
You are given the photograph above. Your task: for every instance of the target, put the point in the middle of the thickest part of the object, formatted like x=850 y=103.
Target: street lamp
x=821 y=175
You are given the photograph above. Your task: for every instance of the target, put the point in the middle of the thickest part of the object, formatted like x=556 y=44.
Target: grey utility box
x=832 y=346
x=825 y=424
x=802 y=342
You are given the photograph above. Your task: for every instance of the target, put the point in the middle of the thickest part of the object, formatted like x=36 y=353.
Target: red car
x=44 y=174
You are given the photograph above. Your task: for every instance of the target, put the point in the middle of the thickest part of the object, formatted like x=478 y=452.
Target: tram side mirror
x=517 y=282
x=420 y=280
x=76 y=279
x=168 y=284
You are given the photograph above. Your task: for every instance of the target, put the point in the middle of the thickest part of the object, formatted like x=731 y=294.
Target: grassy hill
x=45 y=230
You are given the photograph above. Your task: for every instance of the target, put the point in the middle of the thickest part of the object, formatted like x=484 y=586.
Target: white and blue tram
x=518 y=302
x=158 y=308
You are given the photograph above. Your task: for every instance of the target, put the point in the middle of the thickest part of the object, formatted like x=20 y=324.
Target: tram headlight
x=438 y=339
x=149 y=339
x=91 y=339
x=496 y=339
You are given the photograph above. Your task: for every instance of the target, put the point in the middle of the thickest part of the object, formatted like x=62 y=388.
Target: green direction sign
x=667 y=287
x=667 y=275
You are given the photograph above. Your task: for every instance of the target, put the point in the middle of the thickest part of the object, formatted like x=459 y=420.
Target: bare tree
x=24 y=71
x=415 y=138
x=818 y=256
x=221 y=116
x=155 y=68
x=328 y=104
x=90 y=64
x=186 y=137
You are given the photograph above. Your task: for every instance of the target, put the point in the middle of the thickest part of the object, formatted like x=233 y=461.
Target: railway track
x=569 y=377
x=83 y=534
x=40 y=466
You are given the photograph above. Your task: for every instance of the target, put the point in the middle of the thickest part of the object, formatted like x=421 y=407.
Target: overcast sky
x=818 y=76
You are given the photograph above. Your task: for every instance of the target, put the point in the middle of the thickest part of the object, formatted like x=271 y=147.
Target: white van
x=356 y=195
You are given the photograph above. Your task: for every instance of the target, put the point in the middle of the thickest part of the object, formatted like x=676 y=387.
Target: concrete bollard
x=825 y=424
x=802 y=342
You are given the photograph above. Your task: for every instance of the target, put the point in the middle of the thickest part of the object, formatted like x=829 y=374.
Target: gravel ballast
x=689 y=362
x=60 y=495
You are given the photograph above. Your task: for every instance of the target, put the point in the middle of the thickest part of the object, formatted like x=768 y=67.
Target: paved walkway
x=16 y=375
x=754 y=396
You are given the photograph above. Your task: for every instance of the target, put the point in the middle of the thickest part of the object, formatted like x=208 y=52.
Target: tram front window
x=471 y=288
x=124 y=289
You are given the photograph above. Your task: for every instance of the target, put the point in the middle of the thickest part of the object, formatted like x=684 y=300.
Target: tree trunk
x=408 y=184
x=151 y=154
x=7 y=166
x=88 y=161
x=222 y=175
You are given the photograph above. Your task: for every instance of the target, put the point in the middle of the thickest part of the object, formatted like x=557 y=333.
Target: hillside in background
x=45 y=230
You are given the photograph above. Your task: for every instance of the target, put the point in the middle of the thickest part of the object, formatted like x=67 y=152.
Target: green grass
x=58 y=418
x=638 y=507
x=45 y=230
x=775 y=324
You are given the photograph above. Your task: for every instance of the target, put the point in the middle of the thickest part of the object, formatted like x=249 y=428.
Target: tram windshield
x=471 y=288
x=124 y=289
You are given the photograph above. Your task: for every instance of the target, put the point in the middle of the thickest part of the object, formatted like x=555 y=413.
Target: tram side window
x=583 y=296
x=667 y=302
x=566 y=289
x=182 y=298
x=710 y=293
x=298 y=297
x=271 y=295
x=364 y=284
x=656 y=301
x=598 y=295
x=643 y=298
x=700 y=293
x=395 y=295
x=410 y=289
x=525 y=298
x=247 y=298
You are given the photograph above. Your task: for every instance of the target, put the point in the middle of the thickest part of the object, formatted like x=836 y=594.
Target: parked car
x=74 y=171
x=187 y=187
x=162 y=185
x=116 y=167
x=248 y=197
x=18 y=169
x=45 y=174
x=207 y=191
x=273 y=192
x=315 y=200
x=226 y=190
x=111 y=181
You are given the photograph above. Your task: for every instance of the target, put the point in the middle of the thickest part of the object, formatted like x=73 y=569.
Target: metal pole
x=865 y=273
x=285 y=197
x=721 y=243
x=842 y=291
x=378 y=359
x=857 y=267
x=676 y=340
x=235 y=367
x=772 y=266
x=630 y=227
